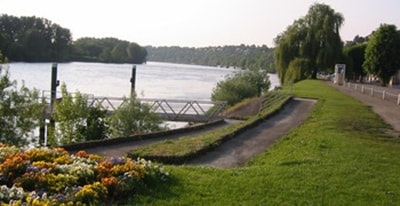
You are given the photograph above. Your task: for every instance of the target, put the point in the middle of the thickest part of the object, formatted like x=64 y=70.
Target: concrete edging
x=118 y=140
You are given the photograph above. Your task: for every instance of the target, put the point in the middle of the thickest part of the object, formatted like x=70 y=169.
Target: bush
x=134 y=118
x=240 y=86
x=20 y=110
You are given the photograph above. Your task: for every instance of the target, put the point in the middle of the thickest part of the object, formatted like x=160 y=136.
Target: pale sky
x=198 y=23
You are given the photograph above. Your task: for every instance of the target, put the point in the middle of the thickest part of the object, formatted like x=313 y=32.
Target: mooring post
x=133 y=80
x=53 y=94
x=42 y=131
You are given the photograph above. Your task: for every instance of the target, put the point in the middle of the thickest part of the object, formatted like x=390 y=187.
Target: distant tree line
x=242 y=56
x=108 y=50
x=33 y=39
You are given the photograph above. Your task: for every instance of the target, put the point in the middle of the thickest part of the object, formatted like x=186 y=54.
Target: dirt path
x=237 y=151
x=388 y=111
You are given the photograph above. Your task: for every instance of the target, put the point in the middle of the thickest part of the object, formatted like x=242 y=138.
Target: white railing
x=383 y=94
x=169 y=109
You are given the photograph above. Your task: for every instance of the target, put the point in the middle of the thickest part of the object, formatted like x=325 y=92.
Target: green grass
x=338 y=156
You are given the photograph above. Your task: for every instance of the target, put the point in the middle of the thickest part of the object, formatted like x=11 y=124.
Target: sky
x=198 y=23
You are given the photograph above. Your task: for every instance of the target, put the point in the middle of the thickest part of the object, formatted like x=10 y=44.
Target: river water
x=153 y=80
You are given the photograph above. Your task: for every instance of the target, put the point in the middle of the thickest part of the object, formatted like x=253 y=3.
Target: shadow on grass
x=153 y=190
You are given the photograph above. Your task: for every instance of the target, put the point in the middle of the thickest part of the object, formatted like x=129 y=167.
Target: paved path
x=240 y=149
x=389 y=111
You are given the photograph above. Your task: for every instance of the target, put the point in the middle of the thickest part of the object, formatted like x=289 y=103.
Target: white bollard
x=372 y=91
x=383 y=94
x=398 y=100
x=362 y=89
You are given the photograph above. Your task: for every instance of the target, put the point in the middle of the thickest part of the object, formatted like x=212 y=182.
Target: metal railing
x=271 y=99
x=167 y=109
x=368 y=90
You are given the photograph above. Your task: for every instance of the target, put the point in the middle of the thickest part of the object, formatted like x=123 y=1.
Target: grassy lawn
x=337 y=157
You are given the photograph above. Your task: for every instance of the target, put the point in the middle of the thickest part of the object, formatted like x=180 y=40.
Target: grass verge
x=338 y=156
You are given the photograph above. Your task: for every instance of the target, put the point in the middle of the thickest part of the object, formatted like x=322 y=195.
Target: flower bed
x=44 y=176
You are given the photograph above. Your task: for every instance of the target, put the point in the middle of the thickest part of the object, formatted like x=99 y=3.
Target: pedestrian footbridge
x=168 y=109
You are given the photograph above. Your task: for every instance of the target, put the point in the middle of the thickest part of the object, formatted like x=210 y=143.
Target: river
x=153 y=80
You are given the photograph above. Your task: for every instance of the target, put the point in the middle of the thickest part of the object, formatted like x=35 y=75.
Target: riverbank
x=338 y=156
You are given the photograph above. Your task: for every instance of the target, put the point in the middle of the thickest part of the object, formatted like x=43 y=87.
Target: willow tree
x=382 y=53
x=314 y=38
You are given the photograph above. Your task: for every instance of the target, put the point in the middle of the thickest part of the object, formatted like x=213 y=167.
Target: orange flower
x=82 y=154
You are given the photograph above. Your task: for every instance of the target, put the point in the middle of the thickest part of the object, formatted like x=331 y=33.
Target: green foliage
x=382 y=53
x=356 y=54
x=70 y=114
x=76 y=122
x=96 y=126
x=357 y=41
x=240 y=86
x=33 y=39
x=314 y=37
x=298 y=69
x=134 y=118
x=243 y=56
x=108 y=50
x=20 y=110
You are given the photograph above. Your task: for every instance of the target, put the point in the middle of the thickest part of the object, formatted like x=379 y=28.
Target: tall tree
x=314 y=37
x=382 y=53
x=356 y=54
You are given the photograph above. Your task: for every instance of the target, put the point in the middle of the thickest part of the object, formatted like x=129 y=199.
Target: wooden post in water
x=133 y=80
x=42 y=131
x=53 y=95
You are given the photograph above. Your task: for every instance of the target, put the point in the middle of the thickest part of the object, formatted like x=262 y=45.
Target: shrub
x=20 y=110
x=134 y=118
x=240 y=86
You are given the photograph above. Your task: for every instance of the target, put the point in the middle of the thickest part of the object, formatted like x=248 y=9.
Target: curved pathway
x=240 y=149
